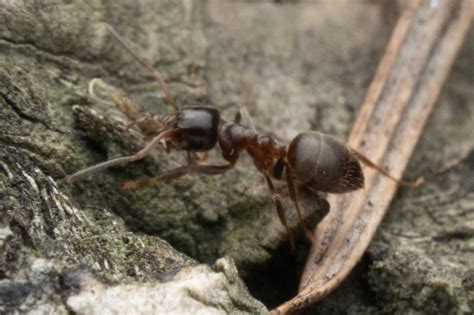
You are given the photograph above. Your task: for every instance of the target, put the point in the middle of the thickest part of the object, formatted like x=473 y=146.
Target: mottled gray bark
x=296 y=66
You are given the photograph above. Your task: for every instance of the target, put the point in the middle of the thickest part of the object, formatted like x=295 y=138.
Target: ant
x=312 y=158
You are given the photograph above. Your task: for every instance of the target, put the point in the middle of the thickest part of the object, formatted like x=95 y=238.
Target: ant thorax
x=233 y=139
x=266 y=152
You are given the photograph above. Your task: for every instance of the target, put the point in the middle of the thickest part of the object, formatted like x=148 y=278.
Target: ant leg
x=244 y=113
x=196 y=158
x=134 y=184
x=177 y=172
x=203 y=157
x=281 y=214
x=153 y=71
x=371 y=164
x=294 y=197
x=125 y=159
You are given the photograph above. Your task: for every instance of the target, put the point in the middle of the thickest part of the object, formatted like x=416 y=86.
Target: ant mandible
x=312 y=158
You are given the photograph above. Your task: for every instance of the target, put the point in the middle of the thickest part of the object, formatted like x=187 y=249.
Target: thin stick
x=417 y=61
x=153 y=71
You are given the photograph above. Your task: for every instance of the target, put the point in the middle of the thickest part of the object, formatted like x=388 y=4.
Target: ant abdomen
x=324 y=163
x=200 y=126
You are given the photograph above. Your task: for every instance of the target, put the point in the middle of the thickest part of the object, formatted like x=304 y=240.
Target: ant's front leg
x=281 y=214
x=177 y=172
x=124 y=159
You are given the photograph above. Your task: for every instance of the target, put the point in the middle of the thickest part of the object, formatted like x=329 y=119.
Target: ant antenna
x=153 y=71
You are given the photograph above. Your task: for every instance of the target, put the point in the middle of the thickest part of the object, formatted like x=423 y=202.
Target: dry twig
x=417 y=60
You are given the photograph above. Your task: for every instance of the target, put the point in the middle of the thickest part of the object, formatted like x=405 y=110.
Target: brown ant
x=312 y=158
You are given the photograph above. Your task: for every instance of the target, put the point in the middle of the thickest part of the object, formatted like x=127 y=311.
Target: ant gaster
x=312 y=158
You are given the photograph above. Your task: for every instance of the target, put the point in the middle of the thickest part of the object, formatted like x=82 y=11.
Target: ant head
x=199 y=127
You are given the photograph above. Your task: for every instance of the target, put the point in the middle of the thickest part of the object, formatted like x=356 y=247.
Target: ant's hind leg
x=125 y=159
x=294 y=197
x=281 y=214
x=177 y=172
x=374 y=166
